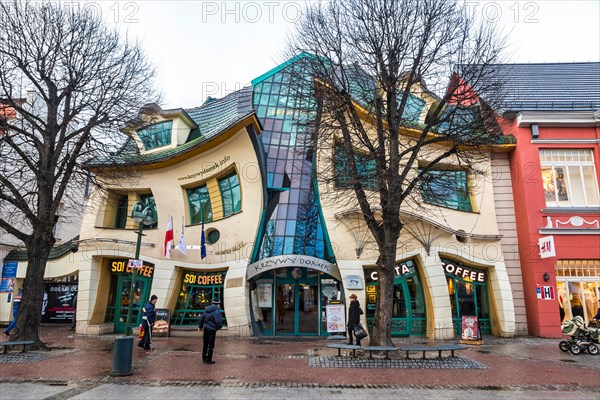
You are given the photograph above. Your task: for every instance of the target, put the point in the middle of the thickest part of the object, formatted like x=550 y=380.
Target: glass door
x=285 y=310
x=141 y=295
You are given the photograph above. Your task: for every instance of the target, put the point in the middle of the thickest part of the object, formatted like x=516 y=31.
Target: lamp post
x=142 y=215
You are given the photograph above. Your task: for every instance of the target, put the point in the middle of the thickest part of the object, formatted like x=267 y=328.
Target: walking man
x=148 y=318
x=16 y=307
x=211 y=321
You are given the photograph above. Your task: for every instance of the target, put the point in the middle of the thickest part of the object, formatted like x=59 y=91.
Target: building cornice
x=559 y=118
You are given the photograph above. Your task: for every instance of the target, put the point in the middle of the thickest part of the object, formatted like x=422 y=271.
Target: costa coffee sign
x=463 y=272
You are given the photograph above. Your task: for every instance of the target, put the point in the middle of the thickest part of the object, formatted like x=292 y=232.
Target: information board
x=336 y=318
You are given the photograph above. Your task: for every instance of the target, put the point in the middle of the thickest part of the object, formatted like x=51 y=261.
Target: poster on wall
x=336 y=318
x=58 y=305
x=9 y=275
x=162 y=324
x=470 y=328
x=265 y=291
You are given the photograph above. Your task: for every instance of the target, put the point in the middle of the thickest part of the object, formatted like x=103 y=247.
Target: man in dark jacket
x=211 y=321
x=148 y=318
x=353 y=318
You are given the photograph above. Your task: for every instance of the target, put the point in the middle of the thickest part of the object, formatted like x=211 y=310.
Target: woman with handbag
x=353 y=318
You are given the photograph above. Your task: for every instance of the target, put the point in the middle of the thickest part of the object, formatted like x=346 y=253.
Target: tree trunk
x=382 y=324
x=30 y=313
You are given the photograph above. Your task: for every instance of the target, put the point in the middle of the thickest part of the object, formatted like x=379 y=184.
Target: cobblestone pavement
x=79 y=367
x=194 y=390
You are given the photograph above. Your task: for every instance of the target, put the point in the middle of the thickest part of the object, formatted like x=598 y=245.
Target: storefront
x=578 y=288
x=292 y=301
x=409 y=315
x=119 y=293
x=468 y=290
x=196 y=292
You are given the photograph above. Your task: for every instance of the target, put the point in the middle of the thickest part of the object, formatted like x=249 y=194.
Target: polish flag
x=169 y=238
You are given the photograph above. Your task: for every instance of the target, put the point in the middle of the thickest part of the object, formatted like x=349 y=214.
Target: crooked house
x=241 y=172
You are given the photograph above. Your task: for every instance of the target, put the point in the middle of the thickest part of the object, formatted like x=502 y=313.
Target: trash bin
x=122 y=356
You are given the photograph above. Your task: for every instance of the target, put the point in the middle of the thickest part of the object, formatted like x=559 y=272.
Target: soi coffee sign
x=462 y=272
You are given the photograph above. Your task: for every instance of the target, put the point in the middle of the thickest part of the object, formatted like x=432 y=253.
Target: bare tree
x=372 y=62
x=82 y=81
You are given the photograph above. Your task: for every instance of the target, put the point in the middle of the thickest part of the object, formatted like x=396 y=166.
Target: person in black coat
x=353 y=318
x=148 y=318
x=211 y=321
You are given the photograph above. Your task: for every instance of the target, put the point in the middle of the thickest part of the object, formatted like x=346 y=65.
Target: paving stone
x=457 y=362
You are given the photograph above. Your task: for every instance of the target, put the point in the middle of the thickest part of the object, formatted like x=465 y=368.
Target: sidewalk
x=241 y=361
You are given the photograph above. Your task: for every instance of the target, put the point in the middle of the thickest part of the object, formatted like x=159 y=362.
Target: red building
x=554 y=112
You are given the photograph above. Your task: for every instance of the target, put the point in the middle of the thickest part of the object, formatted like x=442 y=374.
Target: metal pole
x=128 y=329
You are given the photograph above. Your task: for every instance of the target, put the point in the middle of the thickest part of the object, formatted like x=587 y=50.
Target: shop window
x=447 y=188
x=230 y=193
x=468 y=291
x=198 y=289
x=578 y=288
x=569 y=178
x=199 y=203
x=156 y=135
x=366 y=168
x=121 y=213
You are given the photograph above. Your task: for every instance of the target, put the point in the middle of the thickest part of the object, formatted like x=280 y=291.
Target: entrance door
x=296 y=311
x=121 y=301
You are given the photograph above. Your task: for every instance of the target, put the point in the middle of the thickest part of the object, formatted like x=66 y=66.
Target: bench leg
x=24 y=350
x=451 y=353
x=387 y=357
x=4 y=351
x=339 y=352
x=370 y=353
x=439 y=354
x=407 y=356
x=423 y=355
x=354 y=353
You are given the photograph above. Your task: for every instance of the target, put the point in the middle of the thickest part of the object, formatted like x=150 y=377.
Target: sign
x=463 y=272
x=286 y=261
x=135 y=264
x=162 y=324
x=354 y=282
x=204 y=278
x=336 y=318
x=9 y=275
x=470 y=328
x=58 y=305
x=406 y=268
x=265 y=295
x=548 y=293
x=547 y=248
x=122 y=266
x=538 y=291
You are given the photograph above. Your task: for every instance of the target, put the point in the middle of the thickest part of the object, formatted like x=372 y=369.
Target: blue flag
x=202 y=243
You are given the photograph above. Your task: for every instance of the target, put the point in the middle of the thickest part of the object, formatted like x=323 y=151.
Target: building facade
x=554 y=110
x=281 y=248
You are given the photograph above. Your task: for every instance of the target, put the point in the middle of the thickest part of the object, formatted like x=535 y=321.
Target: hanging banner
x=9 y=275
x=336 y=318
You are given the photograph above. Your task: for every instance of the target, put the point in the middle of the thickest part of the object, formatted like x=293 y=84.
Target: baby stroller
x=581 y=338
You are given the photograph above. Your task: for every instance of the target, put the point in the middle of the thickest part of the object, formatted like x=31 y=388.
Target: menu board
x=162 y=324
x=336 y=318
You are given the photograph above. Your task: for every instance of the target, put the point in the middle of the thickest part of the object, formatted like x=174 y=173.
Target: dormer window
x=156 y=135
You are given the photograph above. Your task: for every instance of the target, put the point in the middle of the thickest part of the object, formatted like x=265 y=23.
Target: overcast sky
x=211 y=48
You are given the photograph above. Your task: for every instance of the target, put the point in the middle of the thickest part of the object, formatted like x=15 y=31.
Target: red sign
x=548 y=293
x=470 y=327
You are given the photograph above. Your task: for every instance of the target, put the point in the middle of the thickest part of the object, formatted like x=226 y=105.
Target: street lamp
x=142 y=215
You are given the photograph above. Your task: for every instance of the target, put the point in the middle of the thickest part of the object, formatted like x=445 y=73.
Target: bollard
x=122 y=356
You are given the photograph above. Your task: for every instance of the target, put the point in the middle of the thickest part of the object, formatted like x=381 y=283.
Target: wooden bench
x=387 y=349
x=439 y=348
x=344 y=346
x=16 y=343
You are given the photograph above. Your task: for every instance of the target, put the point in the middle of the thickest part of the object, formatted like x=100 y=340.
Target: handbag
x=359 y=332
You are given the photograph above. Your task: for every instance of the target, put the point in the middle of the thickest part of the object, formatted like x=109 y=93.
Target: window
x=200 y=208
x=157 y=135
x=121 y=214
x=366 y=169
x=569 y=178
x=230 y=193
x=148 y=201
x=447 y=188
